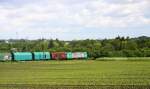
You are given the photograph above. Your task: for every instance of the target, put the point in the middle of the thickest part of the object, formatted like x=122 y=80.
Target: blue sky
x=74 y=19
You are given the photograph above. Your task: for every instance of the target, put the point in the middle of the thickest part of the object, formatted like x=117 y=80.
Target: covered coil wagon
x=79 y=55
x=22 y=56
x=41 y=56
x=59 y=55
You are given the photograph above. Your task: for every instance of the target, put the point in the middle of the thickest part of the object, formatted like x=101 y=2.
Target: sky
x=74 y=19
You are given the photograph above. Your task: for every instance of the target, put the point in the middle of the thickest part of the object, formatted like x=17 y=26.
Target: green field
x=77 y=72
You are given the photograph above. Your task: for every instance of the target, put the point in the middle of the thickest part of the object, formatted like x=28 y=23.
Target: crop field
x=74 y=74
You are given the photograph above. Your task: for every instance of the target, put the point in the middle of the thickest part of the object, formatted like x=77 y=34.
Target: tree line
x=117 y=47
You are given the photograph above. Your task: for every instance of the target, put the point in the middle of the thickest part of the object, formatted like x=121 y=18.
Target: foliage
x=118 y=47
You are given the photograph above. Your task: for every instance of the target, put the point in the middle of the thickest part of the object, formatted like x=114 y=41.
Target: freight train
x=36 y=56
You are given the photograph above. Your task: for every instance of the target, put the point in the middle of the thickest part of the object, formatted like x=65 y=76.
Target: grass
x=124 y=59
x=75 y=72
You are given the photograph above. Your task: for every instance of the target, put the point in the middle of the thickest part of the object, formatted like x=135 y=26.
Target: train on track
x=36 y=56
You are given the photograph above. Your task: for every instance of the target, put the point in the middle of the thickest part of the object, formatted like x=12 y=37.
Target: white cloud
x=58 y=16
x=115 y=15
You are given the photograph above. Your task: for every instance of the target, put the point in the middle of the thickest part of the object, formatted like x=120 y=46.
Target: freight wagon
x=59 y=55
x=5 y=56
x=79 y=55
x=22 y=56
x=41 y=56
x=37 y=56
